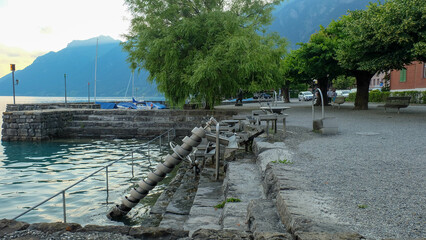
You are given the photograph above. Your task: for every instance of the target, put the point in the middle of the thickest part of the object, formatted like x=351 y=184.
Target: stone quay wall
x=39 y=125
x=41 y=106
x=35 y=125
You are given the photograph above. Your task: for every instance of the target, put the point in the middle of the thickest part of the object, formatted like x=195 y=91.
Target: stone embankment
x=262 y=197
x=29 y=122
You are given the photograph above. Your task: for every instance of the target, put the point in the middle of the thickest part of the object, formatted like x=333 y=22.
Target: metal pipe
x=133 y=175
x=322 y=105
x=217 y=151
x=107 y=184
x=64 y=206
x=162 y=169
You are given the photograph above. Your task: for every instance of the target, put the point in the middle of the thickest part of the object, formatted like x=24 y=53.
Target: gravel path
x=373 y=170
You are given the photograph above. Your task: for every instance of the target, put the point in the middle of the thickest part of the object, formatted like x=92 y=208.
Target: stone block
x=11 y=132
x=9 y=226
x=22 y=132
x=328 y=236
x=55 y=227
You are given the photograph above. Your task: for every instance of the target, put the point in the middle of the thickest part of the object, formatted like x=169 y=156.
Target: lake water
x=32 y=172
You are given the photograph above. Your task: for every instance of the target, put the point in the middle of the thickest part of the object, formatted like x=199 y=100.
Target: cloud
x=3 y=3
x=46 y=30
x=17 y=56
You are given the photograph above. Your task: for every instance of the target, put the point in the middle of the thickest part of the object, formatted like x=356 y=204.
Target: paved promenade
x=371 y=176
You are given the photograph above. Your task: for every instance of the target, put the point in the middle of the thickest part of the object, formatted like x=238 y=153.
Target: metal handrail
x=95 y=172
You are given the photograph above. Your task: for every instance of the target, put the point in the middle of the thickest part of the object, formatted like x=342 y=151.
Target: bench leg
x=267 y=128
x=284 y=127
x=275 y=126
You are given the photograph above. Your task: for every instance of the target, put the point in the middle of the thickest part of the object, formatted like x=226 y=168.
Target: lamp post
x=88 y=92
x=12 y=68
x=65 y=79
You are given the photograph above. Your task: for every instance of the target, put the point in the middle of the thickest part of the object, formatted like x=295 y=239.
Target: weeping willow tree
x=209 y=49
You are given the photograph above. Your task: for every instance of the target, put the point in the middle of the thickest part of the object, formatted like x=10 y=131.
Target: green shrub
x=416 y=97
x=222 y=204
x=351 y=97
x=377 y=96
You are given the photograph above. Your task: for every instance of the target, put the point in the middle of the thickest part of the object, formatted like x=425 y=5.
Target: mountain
x=45 y=76
x=294 y=19
x=297 y=20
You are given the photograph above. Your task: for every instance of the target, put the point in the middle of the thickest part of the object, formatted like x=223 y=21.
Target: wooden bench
x=338 y=100
x=397 y=102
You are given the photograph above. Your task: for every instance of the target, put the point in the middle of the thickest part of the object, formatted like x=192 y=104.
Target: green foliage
x=351 y=97
x=378 y=96
x=416 y=96
x=383 y=37
x=233 y=200
x=362 y=206
x=285 y=161
x=222 y=204
x=206 y=48
x=343 y=82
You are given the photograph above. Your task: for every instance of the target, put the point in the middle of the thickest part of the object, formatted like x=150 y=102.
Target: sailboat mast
x=133 y=84
x=96 y=65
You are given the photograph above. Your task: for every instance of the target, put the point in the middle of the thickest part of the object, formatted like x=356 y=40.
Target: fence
x=170 y=133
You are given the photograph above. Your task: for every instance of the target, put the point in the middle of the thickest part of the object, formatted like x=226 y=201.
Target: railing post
x=149 y=153
x=160 y=143
x=64 y=206
x=217 y=151
x=168 y=136
x=107 y=185
x=133 y=175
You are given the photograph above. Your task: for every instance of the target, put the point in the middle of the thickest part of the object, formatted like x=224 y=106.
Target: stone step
x=203 y=214
x=236 y=186
x=180 y=205
x=262 y=217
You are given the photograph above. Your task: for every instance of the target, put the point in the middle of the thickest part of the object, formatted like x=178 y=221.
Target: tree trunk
x=286 y=93
x=323 y=84
x=363 y=79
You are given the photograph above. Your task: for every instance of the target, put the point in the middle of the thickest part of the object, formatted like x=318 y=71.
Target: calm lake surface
x=32 y=172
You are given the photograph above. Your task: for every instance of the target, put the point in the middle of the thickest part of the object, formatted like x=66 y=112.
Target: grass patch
x=362 y=206
x=222 y=204
x=285 y=161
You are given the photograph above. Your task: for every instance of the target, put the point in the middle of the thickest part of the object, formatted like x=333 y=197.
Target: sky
x=31 y=28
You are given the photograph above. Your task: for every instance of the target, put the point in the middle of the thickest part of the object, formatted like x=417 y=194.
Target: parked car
x=375 y=88
x=344 y=93
x=305 y=96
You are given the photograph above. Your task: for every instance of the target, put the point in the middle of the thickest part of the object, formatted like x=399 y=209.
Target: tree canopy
x=381 y=38
x=205 y=48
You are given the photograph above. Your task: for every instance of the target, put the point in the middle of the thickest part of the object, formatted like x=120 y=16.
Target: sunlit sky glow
x=30 y=28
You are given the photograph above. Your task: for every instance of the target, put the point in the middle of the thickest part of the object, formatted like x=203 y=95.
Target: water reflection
x=32 y=172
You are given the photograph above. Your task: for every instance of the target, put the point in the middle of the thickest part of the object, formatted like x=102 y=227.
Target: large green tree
x=316 y=60
x=384 y=37
x=205 y=48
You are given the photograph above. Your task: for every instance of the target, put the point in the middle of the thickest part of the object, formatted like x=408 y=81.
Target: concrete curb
x=304 y=214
